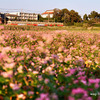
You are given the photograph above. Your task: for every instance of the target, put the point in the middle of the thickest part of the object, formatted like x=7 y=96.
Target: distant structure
x=3 y=18
x=21 y=16
x=11 y=17
x=0 y=20
x=48 y=14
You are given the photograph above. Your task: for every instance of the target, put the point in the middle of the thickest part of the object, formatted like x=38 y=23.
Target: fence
x=34 y=23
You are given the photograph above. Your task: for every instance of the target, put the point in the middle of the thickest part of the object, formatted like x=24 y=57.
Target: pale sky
x=40 y=6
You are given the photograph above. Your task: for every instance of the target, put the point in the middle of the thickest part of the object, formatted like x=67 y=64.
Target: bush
x=78 y=24
x=90 y=23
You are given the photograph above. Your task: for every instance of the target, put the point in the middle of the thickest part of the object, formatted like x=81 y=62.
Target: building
x=28 y=16
x=3 y=18
x=11 y=17
x=22 y=16
x=48 y=14
x=0 y=20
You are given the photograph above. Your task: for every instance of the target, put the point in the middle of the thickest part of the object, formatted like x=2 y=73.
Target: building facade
x=48 y=14
x=11 y=16
x=22 y=16
x=28 y=16
x=3 y=18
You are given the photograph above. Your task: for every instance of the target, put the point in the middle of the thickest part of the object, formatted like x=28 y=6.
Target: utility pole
x=48 y=17
x=54 y=20
x=21 y=14
x=4 y=18
x=64 y=17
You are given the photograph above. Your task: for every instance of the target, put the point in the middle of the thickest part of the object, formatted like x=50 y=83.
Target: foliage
x=66 y=16
x=78 y=24
x=85 y=18
x=93 y=16
x=49 y=65
x=40 y=18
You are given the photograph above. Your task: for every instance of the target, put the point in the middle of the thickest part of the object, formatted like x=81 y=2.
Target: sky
x=40 y=6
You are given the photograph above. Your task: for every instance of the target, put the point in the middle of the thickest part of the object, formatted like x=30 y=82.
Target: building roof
x=0 y=18
x=47 y=13
x=12 y=15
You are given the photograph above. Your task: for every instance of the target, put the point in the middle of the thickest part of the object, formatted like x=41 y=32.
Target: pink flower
x=71 y=72
x=1 y=56
x=30 y=92
x=71 y=98
x=84 y=82
x=48 y=38
x=55 y=56
x=43 y=96
x=20 y=69
x=81 y=73
x=1 y=27
x=21 y=96
x=41 y=43
x=8 y=74
x=75 y=81
x=46 y=81
x=40 y=78
x=11 y=65
x=35 y=72
x=15 y=86
x=62 y=88
x=82 y=78
x=61 y=48
x=6 y=49
x=87 y=98
x=78 y=91
x=94 y=81
x=96 y=85
x=40 y=49
x=93 y=46
x=54 y=96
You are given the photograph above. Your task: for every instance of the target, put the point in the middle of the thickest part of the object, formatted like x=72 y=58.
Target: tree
x=56 y=15
x=65 y=16
x=40 y=18
x=75 y=17
x=85 y=17
x=93 y=15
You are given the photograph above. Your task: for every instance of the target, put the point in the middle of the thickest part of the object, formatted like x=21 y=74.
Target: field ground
x=49 y=63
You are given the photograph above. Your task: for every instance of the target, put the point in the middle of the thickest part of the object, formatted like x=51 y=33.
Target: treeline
x=92 y=18
x=70 y=17
x=67 y=17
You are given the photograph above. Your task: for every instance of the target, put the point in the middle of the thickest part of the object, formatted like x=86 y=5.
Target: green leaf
x=6 y=98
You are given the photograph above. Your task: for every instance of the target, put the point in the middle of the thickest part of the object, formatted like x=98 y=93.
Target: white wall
x=46 y=15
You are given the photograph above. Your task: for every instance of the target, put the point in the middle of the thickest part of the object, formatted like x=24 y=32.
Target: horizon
x=82 y=7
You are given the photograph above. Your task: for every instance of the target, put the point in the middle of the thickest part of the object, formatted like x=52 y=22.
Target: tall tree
x=85 y=17
x=57 y=16
x=75 y=17
x=64 y=14
x=93 y=15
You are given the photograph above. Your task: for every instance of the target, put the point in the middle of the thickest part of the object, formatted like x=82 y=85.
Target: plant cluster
x=51 y=65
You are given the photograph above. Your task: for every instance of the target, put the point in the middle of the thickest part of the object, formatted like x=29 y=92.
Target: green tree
x=65 y=15
x=93 y=15
x=75 y=17
x=40 y=18
x=57 y=16
x=85 y=18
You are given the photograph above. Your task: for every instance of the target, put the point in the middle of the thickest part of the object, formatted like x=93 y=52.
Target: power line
x=18 y=10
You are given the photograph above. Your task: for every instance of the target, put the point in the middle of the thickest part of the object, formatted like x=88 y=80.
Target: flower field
x=49 y=65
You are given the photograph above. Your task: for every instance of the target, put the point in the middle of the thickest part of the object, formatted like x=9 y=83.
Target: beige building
x=48 y=13
x=28 y=16
x=22 y=16
x=11 y=16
